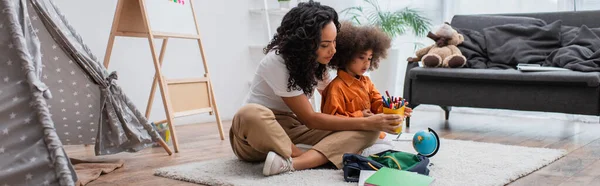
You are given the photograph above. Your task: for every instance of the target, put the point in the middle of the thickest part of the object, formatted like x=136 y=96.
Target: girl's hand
x=384 y=122
x=367 y=113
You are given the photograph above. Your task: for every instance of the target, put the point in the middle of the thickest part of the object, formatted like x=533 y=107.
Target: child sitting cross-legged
x=351 y=94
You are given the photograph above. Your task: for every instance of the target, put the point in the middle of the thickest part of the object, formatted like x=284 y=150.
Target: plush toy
x=444 y=52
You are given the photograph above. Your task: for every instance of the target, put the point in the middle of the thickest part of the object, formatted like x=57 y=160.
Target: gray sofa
x=571 y=92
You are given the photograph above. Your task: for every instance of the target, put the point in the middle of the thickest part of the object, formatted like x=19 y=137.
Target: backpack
x=354 y=163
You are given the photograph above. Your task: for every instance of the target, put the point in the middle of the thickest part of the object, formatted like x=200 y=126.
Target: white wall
x=228 y=31
x=223 y=25
x=454 y=7
x=587 y=5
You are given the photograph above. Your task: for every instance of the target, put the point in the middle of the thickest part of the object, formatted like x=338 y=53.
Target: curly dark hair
x=298 y=39
x=353 y=40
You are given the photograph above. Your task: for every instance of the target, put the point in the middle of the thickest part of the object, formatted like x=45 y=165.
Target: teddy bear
x=444 y=53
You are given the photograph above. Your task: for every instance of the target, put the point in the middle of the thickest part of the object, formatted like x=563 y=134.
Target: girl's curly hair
x=298 y=39
x=353 y=40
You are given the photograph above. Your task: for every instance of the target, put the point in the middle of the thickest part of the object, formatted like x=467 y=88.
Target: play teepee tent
x=53 y=91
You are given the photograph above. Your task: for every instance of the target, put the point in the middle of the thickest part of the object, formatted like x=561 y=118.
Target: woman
x=278 y=114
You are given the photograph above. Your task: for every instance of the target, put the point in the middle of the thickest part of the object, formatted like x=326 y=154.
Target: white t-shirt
x=270 y=83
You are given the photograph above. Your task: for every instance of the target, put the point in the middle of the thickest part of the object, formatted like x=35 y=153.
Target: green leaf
x=375 y=4
x=351 y=9
x=413 y=19
x=393 y=23
x=356 y=19
x=373 y=18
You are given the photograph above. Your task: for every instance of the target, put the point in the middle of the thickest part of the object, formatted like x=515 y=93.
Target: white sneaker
x=275 y=164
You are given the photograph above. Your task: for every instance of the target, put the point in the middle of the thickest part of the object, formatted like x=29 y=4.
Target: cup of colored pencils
x=394 y=105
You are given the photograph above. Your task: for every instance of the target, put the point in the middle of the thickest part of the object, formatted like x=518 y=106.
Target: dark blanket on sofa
x=505 y=46
x=582 y=53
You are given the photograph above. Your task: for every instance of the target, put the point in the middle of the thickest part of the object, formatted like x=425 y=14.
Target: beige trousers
x=256 y=130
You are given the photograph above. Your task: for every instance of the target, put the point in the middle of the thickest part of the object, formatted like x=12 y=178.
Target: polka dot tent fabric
x=53 y=91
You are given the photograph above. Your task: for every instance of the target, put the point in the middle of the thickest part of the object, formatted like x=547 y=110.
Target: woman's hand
x=367 y=113
x=407 y=111
x=384 y=122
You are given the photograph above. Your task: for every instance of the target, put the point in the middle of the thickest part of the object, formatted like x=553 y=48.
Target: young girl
x=351 y=94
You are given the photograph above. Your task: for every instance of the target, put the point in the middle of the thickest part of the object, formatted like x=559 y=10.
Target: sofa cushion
x=479 y=22
x=591 y=79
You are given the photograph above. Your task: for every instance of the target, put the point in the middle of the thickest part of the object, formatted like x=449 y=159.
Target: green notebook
x=393 y=177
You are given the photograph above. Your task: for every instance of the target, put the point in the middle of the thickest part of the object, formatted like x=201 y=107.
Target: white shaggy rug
x=514 y=113
x=457 y=163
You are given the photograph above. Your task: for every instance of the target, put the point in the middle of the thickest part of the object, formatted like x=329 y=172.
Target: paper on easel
x=364 y=175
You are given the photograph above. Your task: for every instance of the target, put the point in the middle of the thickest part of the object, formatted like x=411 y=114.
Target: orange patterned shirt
x=349 y=96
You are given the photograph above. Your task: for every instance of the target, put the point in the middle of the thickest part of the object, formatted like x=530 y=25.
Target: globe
x=426 y=142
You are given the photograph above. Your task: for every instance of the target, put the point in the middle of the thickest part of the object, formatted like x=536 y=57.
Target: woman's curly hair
x=353 y=40
x=298 y=39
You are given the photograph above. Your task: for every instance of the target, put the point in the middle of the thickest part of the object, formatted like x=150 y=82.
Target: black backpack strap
x=354 y=163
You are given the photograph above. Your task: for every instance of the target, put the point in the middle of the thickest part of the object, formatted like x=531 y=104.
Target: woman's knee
x=369 y=136
x=252 y=114
x=372 y=135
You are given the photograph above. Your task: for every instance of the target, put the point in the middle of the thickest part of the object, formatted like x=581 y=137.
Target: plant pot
x=284 y=4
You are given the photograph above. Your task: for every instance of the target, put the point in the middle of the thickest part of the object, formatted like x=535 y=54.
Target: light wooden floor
x=581 y=166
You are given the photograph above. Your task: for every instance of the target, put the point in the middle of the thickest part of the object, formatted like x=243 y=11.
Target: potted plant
x=395 y=23
x=283 y=4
